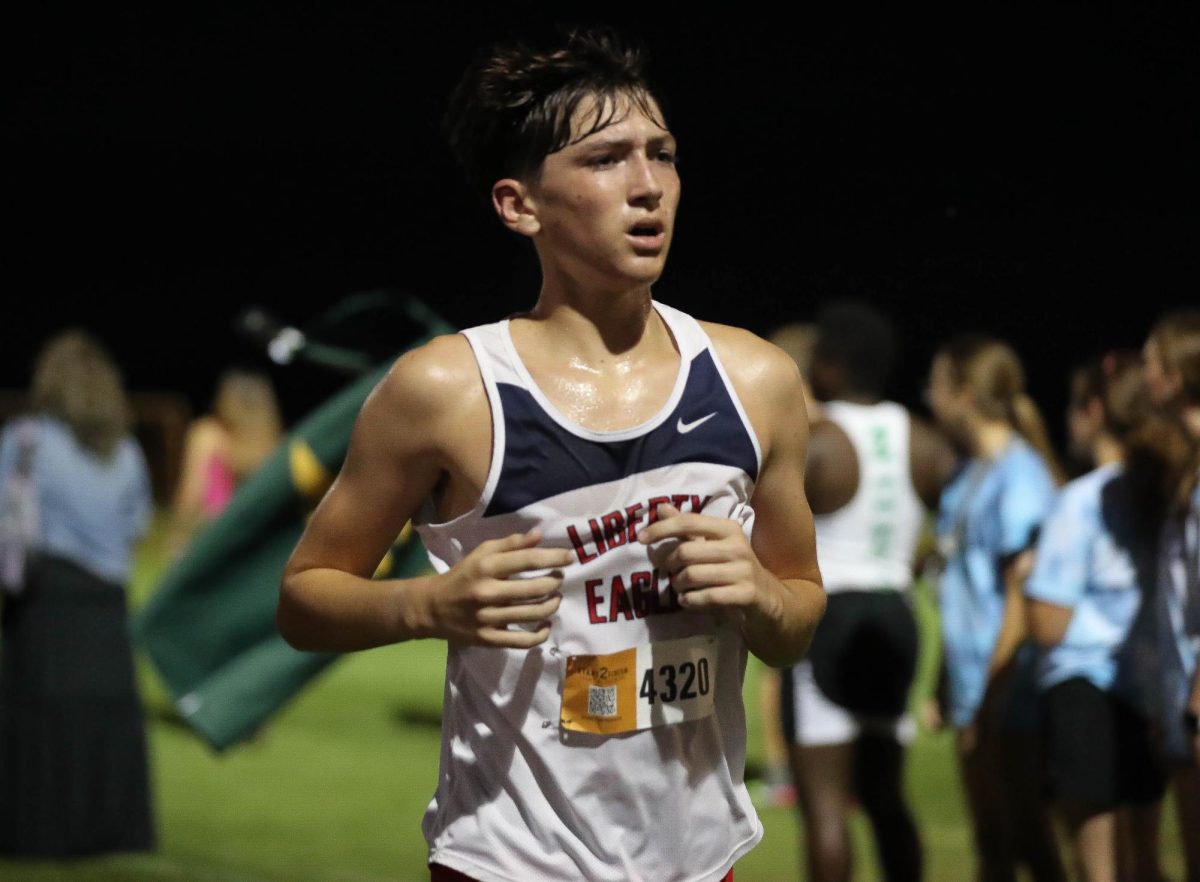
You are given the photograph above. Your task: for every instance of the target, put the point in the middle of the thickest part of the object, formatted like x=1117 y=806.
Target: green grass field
x=333 y=790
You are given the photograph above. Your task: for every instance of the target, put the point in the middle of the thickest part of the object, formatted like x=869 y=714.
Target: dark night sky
x=1032 y=175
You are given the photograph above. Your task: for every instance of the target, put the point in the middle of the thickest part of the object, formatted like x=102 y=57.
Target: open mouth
x=648 y=235
x=646 y=230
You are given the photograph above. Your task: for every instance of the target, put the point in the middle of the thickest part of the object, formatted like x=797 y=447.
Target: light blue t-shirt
x=91 y=510
x=1085 y=562
x=989 y=511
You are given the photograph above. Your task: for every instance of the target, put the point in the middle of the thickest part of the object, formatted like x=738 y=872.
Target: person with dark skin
x=874 y=473
x=611 y=494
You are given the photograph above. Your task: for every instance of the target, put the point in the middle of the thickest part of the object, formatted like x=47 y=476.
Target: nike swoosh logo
x=684 y=428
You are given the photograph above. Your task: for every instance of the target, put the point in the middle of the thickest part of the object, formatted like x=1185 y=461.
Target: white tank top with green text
x=869 y=543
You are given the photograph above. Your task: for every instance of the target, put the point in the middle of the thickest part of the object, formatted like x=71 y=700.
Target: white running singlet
x=615 y=751
x=868 y=544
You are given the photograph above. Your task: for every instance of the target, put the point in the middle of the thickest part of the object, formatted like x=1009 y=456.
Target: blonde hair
x=75 y=380
x=990 y=370
x=246 y=406
x=1177 y=337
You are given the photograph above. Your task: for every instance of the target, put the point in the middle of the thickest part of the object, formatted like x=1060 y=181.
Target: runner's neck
x=595 y=331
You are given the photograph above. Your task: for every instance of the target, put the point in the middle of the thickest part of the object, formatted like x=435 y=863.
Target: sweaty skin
x=427 y=428
x=600 y=214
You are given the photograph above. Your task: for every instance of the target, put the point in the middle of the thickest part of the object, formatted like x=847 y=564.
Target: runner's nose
x=644 y=186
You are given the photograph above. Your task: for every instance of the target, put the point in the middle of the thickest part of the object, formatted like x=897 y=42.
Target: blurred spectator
x=222 y=449
x=1172 y=374
x=1085 y=597
x=988 y=520
x=872 y=474
x=799 y=340
x=73 y=771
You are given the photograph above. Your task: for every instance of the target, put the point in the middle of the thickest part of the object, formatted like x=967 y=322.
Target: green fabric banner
x=210 y=626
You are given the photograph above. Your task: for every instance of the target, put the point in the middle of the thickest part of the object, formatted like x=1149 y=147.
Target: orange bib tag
x=657 y=684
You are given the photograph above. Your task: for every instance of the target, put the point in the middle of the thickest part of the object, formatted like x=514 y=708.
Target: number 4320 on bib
x=657 y=684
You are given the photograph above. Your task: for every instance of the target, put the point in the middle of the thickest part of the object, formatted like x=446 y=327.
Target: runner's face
x=606 y=203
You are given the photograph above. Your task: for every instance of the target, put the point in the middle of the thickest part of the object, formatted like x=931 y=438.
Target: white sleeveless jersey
x=615 y=751
x=869 y=543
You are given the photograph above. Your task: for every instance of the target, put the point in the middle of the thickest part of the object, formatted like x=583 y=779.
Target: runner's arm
x=328 y=600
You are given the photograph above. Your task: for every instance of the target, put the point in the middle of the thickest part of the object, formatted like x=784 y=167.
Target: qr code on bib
x=602 y=701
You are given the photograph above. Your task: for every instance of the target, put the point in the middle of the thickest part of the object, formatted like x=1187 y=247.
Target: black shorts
x=864 y=652
x=1098 y=750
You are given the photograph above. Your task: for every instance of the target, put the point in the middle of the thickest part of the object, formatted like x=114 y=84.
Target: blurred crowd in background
x=1067 y=582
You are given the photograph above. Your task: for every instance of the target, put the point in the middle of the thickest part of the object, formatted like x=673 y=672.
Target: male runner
x=611 y=494
x=873 y=471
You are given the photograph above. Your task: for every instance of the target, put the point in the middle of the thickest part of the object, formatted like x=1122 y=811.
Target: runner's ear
x=514 y=206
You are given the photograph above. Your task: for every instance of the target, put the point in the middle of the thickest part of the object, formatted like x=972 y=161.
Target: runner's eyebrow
x=599 y=142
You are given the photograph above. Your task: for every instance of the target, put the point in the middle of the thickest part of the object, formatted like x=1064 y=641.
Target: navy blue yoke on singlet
x=543 y=459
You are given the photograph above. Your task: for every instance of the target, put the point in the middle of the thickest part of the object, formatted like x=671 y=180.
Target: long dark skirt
x=73 y=771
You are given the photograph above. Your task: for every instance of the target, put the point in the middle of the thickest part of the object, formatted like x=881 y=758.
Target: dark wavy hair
x=515 y=104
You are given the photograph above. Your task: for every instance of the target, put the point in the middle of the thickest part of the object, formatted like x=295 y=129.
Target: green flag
x=210 y=626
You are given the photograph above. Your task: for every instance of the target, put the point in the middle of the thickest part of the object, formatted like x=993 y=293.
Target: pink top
x=219 y=482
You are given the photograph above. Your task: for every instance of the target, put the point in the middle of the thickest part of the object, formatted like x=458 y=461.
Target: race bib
x=658 y=684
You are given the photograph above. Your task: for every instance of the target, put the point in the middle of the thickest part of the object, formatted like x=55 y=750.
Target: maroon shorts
x=438 y=873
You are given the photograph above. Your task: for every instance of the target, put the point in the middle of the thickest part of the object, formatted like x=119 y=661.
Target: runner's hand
x=481 y=595
x=712 y=565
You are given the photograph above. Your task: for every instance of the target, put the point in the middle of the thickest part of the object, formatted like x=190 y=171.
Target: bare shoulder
x=429 y=387
x=768 y=384
x=928 y=441
x=753 y=363
x=832 y=474
x=427 y=380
